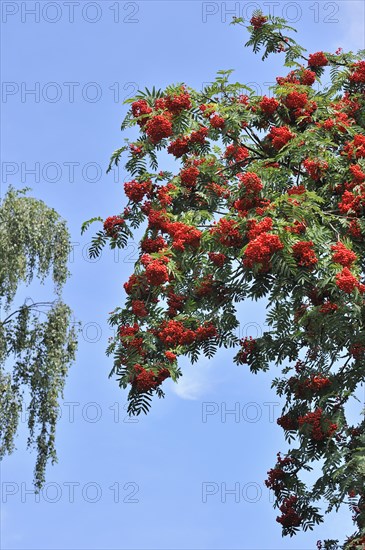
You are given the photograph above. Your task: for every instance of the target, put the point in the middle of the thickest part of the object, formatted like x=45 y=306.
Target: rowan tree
x=37 y=338
x=267 y=202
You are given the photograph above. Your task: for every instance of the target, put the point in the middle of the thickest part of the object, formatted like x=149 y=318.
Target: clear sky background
x=144 y=483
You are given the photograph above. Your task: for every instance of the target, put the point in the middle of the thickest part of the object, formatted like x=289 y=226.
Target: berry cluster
x=112 y=225
x=145 y=380
x=289 y=516
x=304 y=253
x=320 y=428
x=248 y=345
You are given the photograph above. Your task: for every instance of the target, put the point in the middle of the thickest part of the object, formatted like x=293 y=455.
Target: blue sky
x=161 y=481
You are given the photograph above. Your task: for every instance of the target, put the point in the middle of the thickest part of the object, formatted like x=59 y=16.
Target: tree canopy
x=267 y=202
x=37 y=339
